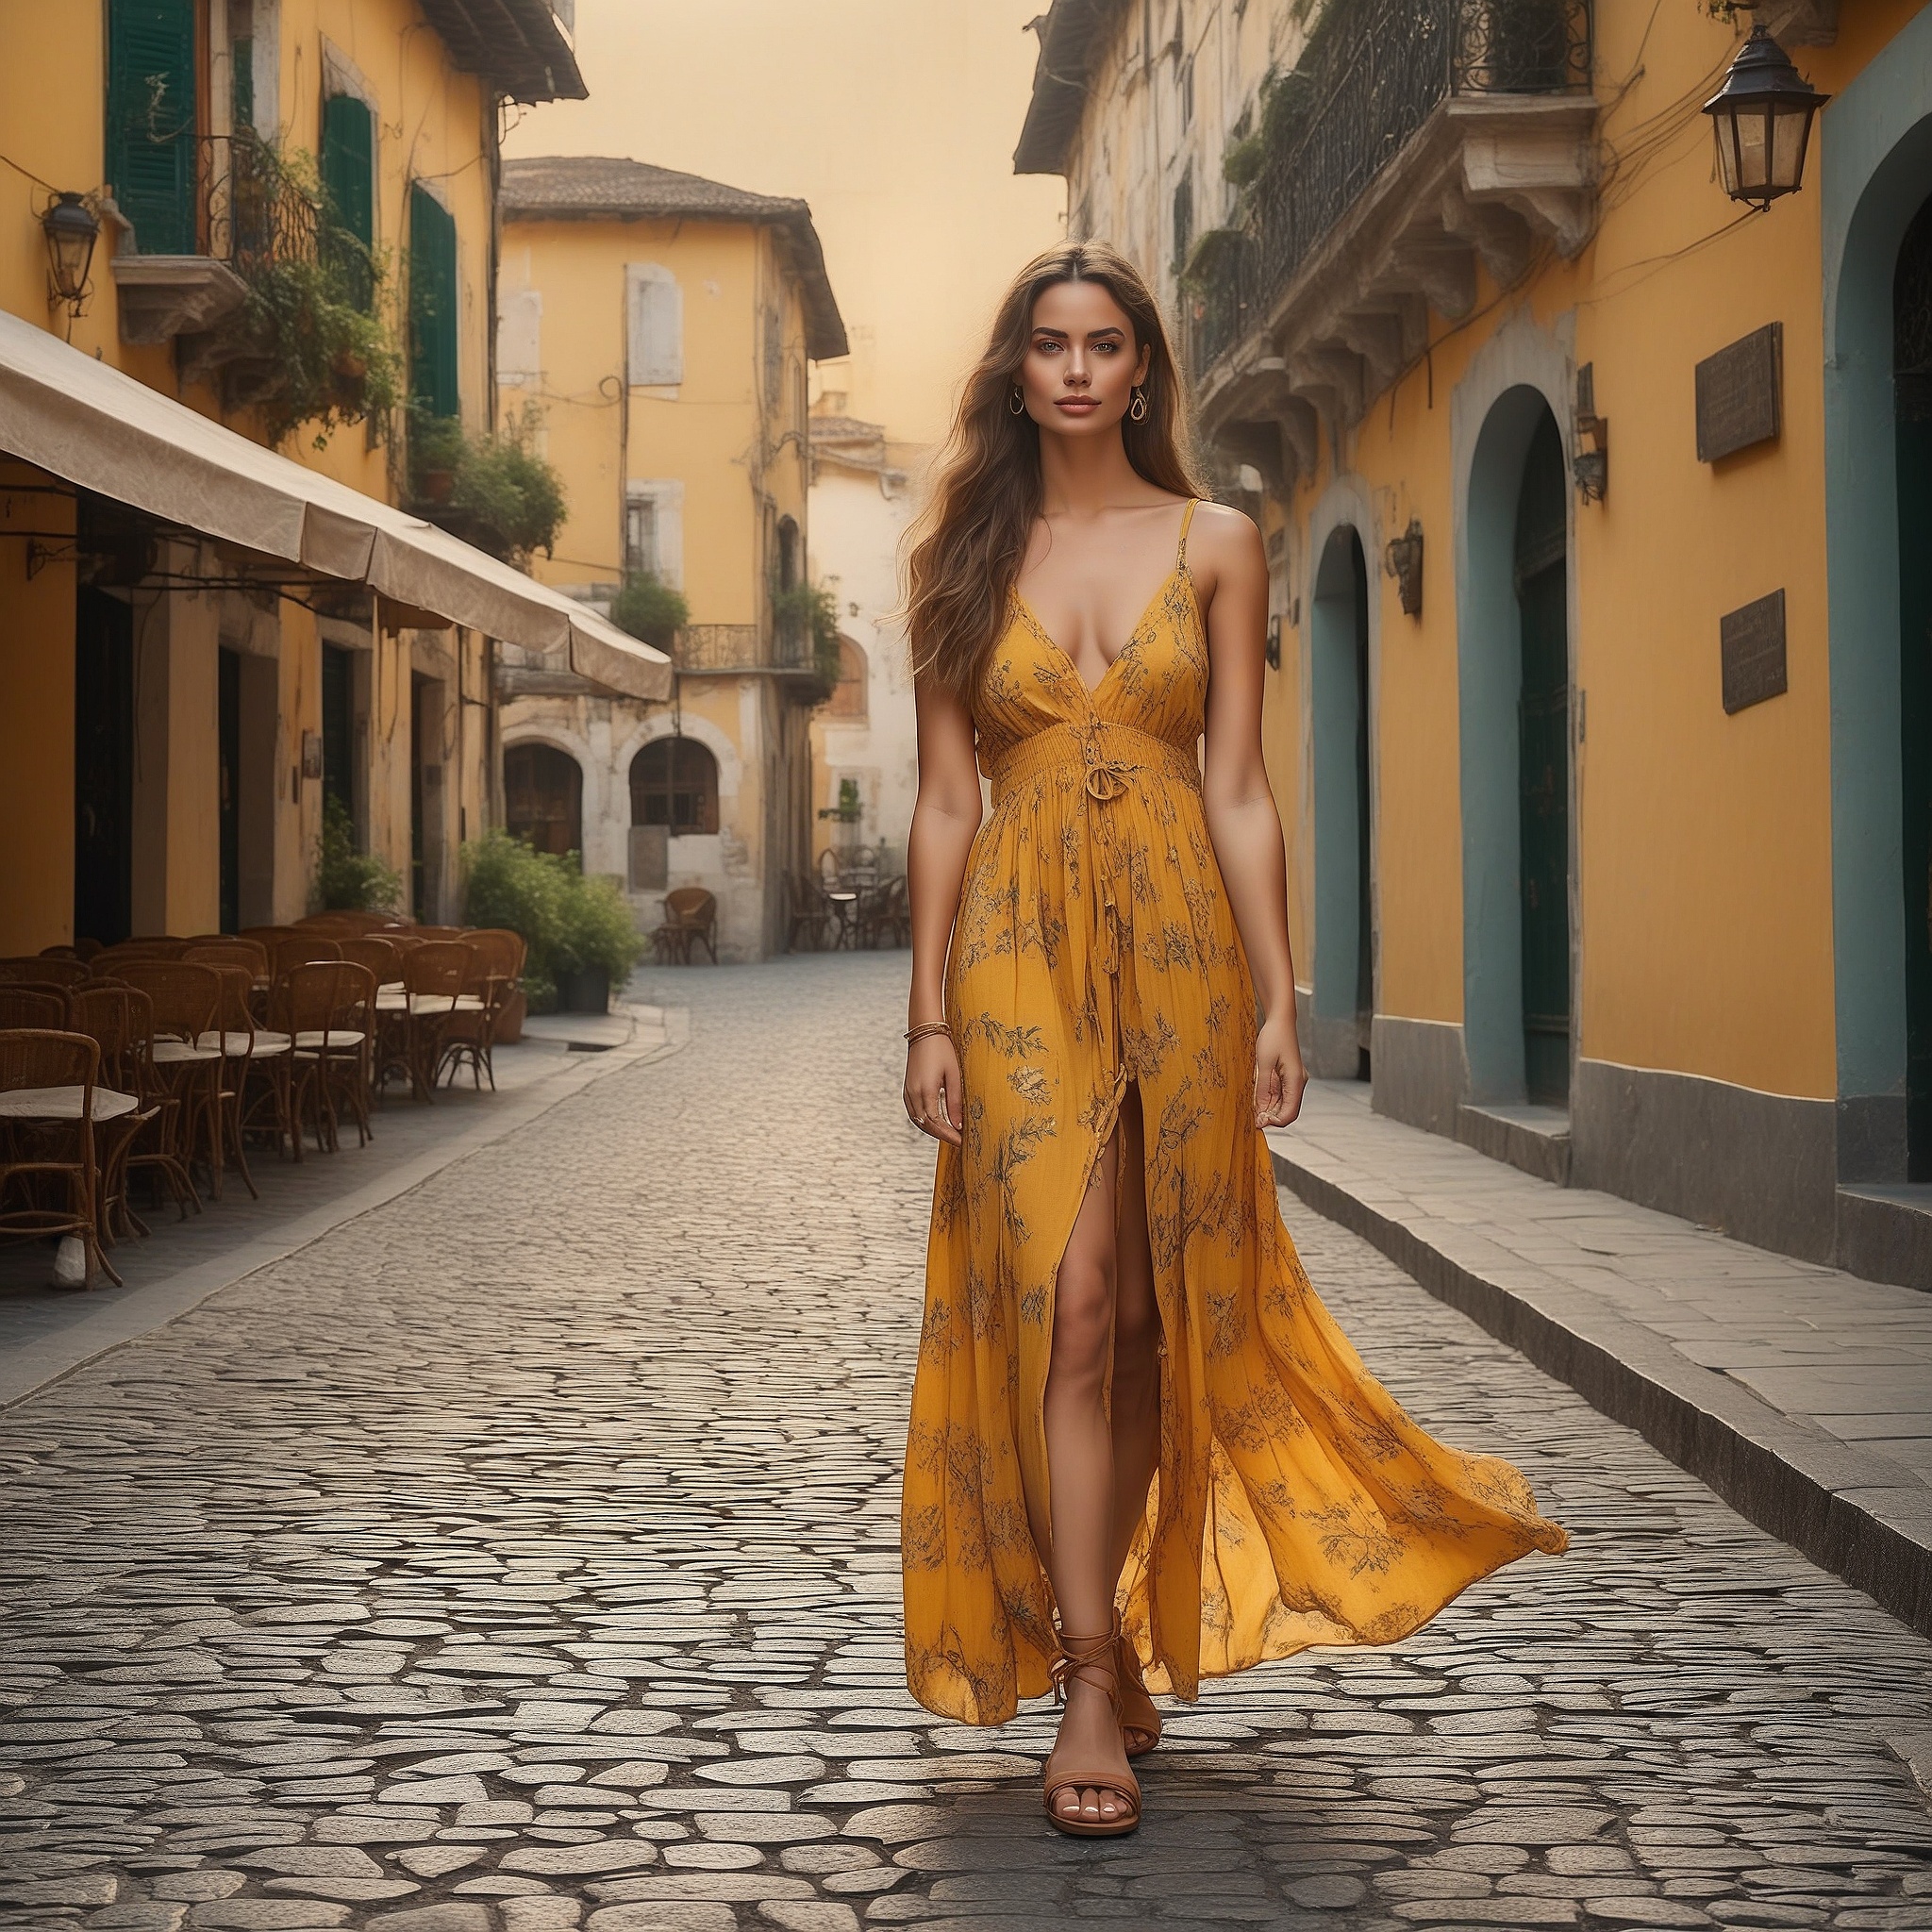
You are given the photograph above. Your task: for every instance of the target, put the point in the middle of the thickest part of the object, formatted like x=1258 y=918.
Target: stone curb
x=1846 y=1509
x=171 y=1296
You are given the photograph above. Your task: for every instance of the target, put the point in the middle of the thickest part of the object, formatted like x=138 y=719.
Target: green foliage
x=312 y=332
x=568 y=922
x=503 y=496
x=848 y=810
x=807 y=607
x=649 y=609
x=347 y=880
x=1212 y=256
x=597 y=931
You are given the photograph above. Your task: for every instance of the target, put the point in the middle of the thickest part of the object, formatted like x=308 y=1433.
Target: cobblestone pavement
x=522 y=1557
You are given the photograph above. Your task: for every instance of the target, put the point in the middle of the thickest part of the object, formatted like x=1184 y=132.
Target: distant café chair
x=690 y=916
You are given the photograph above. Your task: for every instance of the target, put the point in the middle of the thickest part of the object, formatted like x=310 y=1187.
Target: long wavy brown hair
x=973 y=535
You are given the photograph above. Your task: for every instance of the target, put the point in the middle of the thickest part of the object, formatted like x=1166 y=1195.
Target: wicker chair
x=186 y=998
x=302 y=949
x=326 y=1007
x=106 y=1013
x=155 y=1149
x=470 y=1037
x=47 y=1161
x=45 y=971
x=230 y=951
x=44 y=1008
x=434 y=977
x=379 y=955
x=690 y=913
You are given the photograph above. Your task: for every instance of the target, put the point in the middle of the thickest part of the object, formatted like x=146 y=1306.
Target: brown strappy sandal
x=1138 y=1713
x=1079 y=1654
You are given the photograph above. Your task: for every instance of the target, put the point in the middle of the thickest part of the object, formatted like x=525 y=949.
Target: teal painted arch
x=1523 y=375
x=1874 y=158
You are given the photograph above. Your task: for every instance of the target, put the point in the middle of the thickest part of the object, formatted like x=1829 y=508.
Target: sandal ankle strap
x=1077 y=1654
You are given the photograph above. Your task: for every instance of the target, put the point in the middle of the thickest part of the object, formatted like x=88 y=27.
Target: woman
x=1127 y=1390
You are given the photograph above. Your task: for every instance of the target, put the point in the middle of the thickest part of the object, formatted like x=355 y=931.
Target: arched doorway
x=1514 y=676
x=1343 y=998
x=1911 y=382
x=1543 y=600
x=673 y=783
x=543 y=797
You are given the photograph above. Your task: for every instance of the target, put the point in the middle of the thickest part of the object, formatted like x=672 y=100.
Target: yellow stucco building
x=1598 y=512
x=201 y=638
x=663 y=323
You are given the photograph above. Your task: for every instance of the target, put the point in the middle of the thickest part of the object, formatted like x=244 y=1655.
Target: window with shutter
x=432 y=306
x=151 y=121
x=348 y=179
x=657 y=325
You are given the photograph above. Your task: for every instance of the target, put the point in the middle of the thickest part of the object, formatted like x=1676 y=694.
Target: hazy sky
x=896 y=118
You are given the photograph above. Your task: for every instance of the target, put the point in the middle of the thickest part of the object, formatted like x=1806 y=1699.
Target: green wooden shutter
x=151 y=121
x=432 y=306
x=348 y=179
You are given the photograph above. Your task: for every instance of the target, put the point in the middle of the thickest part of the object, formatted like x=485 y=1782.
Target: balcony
x=238 y=210
x=1420 y=140
x=704 y=650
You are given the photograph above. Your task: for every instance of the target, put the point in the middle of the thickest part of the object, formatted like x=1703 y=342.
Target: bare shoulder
x=1223 y=545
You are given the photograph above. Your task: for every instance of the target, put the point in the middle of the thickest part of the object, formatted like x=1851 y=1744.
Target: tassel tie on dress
x=1110 y=755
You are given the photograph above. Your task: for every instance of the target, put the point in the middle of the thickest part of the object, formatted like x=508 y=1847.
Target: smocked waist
x=1109 y=757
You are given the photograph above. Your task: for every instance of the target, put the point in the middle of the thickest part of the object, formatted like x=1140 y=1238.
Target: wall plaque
x=1738 y=394
x=1752 y=644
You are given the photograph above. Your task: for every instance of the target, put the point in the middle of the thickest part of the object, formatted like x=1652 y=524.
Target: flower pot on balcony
x=583 y=989
x=438 y=484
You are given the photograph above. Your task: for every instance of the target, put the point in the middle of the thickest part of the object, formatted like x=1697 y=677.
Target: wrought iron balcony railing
x=1360 y=97
x=731 y=647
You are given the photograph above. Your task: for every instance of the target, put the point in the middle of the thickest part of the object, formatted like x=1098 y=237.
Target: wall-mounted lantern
x=1591 y=466
x=71 y=229
x=1403 y=562
x=1762 y=116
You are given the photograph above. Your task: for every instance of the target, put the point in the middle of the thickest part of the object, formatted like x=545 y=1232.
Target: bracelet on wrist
x=930 y=1027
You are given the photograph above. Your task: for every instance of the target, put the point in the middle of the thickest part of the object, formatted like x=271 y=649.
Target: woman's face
x=1082 y=363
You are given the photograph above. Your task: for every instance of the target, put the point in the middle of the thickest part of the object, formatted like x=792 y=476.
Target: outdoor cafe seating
x=156 y=1064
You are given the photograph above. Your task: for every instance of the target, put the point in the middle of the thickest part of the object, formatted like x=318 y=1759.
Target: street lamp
x=72 y=230
x=1762 y=115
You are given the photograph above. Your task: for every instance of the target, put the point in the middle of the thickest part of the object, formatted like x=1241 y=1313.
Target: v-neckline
x=1059 y=650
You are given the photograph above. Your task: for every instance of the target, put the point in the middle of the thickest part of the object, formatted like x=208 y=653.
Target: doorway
x=1911 y=363
x=1513 y=673
x=1543 y=774
x=338 y=728
x=103 y=768
x=543 y=799
x=228 y=764
x=1343 y=998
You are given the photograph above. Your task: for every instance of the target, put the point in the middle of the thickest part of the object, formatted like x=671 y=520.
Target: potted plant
x=597 y=944
x=347 y=880
x=508 y=884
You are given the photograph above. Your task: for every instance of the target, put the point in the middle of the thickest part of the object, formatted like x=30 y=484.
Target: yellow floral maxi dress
x=1295 y=1503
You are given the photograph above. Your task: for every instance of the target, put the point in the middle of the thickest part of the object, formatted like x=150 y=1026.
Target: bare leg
x=1079 y=1454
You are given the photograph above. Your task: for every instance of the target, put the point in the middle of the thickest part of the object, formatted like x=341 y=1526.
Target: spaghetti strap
x=1181 y=561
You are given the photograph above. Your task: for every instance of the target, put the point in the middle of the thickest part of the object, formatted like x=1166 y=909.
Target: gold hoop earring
x=1016 y=403
x=1138 y=407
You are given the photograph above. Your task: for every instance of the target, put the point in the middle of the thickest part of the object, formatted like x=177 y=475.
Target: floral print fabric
x=1295 y=1502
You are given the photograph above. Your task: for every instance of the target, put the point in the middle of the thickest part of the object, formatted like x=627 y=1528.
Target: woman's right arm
x=945 y=816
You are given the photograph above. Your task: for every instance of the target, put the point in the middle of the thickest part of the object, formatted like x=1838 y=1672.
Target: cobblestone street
x=522 y=1557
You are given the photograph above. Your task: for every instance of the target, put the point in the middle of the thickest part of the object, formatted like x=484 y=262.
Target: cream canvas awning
x=91 y=424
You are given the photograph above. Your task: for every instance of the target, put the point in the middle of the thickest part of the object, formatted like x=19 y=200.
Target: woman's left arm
x=1232 y=582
